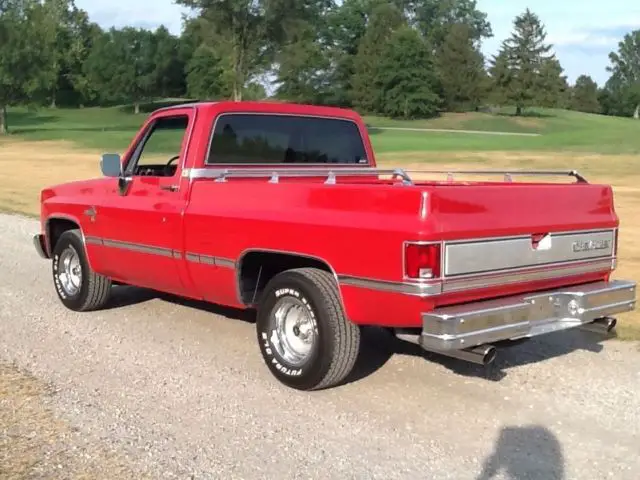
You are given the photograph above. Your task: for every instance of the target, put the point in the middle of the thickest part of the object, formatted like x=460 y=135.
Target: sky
x=583 y=32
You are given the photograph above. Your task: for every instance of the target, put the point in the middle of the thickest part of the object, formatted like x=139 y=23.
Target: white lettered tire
x=78 y=287
x=304 y=336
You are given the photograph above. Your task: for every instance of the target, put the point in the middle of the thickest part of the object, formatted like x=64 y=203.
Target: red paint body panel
x=357 y=227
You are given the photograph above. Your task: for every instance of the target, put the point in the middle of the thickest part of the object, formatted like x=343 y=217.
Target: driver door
x=139 y=222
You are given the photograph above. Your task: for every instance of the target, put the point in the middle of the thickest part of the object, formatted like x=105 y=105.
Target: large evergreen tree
x=461 y=69
x=501 y=78
x=530 y=65
x=385 y=20
x=553 y=86
x=406 y=77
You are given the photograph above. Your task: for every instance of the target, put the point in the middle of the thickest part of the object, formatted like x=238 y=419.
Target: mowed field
x=52 y=146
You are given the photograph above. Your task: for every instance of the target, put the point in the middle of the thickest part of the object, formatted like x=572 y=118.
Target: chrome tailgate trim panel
x=494 y=255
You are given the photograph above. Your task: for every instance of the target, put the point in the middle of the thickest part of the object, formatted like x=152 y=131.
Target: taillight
x=422 y=261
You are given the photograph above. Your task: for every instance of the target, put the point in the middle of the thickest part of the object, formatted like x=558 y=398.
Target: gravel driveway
x=171 y=389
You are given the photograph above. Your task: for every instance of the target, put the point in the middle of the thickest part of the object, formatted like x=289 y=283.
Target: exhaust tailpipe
x=600 y=325
x=480 y=355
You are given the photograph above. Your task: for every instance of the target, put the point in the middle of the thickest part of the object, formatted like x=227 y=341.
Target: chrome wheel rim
x=70 y=271
x=295 y=330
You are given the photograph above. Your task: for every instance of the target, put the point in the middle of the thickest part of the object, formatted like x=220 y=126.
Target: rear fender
x=302 y=257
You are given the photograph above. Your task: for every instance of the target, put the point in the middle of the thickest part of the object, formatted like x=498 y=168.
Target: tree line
x=399 y=58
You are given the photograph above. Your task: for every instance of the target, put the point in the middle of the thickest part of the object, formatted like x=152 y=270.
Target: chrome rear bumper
x=464 y=326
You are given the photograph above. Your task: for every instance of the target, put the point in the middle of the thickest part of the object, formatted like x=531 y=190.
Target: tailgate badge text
x=590 y=245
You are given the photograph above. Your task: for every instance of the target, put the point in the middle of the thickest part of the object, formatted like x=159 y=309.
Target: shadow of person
x=531 y=452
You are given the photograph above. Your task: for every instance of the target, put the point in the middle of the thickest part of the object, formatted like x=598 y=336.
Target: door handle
x=169 y=188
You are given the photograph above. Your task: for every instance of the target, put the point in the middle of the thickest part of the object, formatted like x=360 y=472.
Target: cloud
x=121 y=13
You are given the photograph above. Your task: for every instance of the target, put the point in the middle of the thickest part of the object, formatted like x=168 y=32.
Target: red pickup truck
x=281 y=208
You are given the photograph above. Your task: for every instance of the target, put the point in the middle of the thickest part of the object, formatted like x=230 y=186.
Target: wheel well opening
x=258 y=268
x=56 y=227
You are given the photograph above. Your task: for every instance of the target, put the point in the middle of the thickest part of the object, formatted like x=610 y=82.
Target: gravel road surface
x=178 y=390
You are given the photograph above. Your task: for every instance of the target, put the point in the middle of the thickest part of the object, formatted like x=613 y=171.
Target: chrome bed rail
x=331 y=173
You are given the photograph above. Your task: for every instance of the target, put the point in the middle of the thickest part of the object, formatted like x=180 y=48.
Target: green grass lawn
x=111 y=129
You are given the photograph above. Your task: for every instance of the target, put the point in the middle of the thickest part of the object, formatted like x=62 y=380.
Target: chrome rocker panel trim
x=523 y=316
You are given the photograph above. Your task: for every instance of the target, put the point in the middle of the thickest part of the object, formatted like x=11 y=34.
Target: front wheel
x=305 y=338
x=78 y=287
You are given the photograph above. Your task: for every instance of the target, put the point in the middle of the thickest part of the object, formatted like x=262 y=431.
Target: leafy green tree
x=25 y=54
x=407 y=77
x=255 y=91
x=205 y=75
x=434 y=18
x=584 y=95
x=68 y=30
x=170 y=66
x=122 y=66
x=345 y=27
x=625 y=73
x=302 y=64
x=531 y=67
x=461 y=70
x=246 y=33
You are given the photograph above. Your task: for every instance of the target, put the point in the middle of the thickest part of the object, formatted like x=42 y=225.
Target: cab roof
x=275 y=107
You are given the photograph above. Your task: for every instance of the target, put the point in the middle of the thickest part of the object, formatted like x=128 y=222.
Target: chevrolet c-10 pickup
x=281 y=208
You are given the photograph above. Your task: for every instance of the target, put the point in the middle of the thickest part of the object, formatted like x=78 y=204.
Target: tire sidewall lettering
x=65 y=297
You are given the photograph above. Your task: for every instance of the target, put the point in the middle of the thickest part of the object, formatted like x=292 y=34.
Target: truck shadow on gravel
x=379 y=345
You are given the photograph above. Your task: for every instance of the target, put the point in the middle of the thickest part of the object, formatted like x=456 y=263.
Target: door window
x=158 y=152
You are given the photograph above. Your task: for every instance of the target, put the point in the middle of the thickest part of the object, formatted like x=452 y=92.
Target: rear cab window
x=259 y=139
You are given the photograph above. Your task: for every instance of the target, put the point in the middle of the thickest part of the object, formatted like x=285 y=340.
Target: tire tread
x=98 y=286
x=346 y=334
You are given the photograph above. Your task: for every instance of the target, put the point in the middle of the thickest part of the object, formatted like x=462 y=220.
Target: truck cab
x=281 y=208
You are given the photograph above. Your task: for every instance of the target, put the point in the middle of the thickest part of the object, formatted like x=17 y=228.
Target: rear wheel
x=305 y=338
x=78 y=287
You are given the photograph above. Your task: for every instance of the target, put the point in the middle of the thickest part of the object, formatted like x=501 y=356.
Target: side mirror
x=111 y=165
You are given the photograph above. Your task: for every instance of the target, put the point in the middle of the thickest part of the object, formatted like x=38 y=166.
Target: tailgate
x=509 y=233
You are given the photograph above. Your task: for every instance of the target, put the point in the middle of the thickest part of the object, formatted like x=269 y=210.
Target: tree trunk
x=518 y=111
x=636 y=114
x=4 y=127
x=136 y=108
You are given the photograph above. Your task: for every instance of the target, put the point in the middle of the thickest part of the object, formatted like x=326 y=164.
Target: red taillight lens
x=422 y=261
